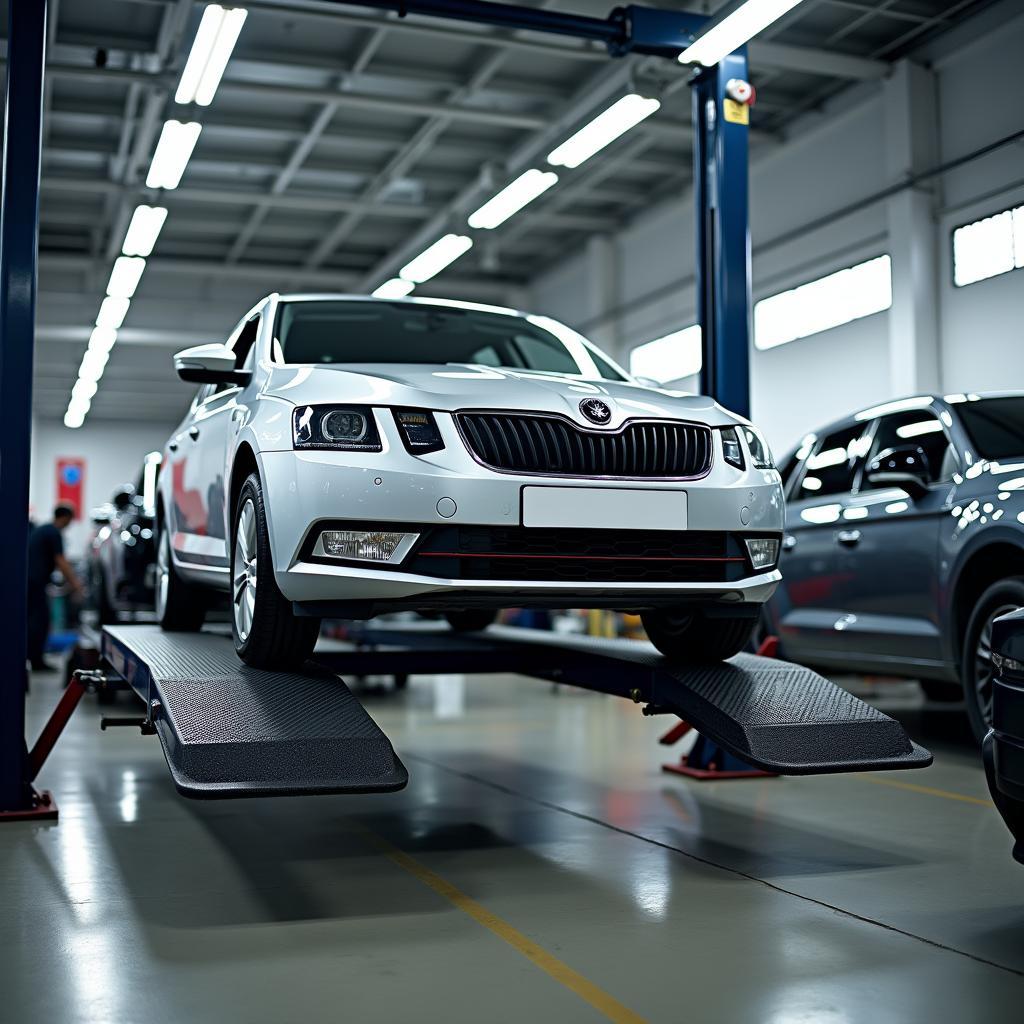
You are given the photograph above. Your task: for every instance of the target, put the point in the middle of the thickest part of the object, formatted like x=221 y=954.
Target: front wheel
x=267 y=633
x=693 y=638
x=180 y=606
x=976 y=668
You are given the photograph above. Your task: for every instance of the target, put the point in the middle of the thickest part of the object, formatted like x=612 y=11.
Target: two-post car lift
x=228 y=730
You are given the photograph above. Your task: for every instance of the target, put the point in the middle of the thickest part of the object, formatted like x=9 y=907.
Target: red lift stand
x=707 y=760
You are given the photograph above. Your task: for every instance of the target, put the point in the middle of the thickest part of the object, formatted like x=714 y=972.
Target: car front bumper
x=309 y=488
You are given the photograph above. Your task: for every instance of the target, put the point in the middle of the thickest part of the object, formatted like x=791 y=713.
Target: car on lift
x=904 y=541
x=122 y=555
x=348 y=456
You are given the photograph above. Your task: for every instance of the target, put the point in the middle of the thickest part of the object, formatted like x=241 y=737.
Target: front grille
x=553 y=446
x=555 y=554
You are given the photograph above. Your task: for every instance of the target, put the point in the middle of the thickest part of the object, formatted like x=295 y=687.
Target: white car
x=348 y=456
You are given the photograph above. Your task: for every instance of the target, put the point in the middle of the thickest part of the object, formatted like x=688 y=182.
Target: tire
x=180 y=605
x=266 y=632
x=101 y=598
x=470 y=620
x=691 y=638
x=976 y=656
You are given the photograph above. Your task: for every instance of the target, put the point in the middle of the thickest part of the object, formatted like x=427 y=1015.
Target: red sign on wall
x=70 y=481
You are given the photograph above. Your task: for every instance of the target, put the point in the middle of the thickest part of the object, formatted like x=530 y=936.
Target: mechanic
x=45 y=553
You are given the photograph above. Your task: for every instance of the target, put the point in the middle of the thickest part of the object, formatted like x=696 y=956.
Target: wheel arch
x=987 y=562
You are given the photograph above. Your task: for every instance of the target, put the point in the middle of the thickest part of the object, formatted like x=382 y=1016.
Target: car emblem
x=595 y=410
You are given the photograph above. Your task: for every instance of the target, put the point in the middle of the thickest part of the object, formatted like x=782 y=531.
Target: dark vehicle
x=1004 y=745
x=122 y=562
x=905 y=541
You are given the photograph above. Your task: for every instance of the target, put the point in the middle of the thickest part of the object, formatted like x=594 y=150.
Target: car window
x=349 y=332
x=995 y=425
x=919 y=427
x=833 y=465
x=242 y=339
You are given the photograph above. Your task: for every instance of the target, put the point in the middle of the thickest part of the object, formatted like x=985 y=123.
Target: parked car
x=905 y=541
x=122 y=558
x=1004 y=745
x=349 y=456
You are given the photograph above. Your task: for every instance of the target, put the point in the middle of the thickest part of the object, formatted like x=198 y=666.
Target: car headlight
x=340 y=427
x=731 y=449
x=760 y=453
x=419 y=431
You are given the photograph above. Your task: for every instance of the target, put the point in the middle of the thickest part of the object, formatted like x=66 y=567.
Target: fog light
x=364 y=546
x=763 y=551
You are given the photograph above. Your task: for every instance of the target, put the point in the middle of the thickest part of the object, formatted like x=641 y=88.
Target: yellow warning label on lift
x=736 y=113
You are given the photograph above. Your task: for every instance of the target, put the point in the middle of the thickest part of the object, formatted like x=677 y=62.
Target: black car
x=122 y=559
x=1004 y=744
x=905 y=541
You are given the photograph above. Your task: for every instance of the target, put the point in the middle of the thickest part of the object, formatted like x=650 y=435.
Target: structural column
x=19 y=235
x=911 y=140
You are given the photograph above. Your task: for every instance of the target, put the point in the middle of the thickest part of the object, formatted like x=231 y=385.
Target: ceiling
x=343 y=140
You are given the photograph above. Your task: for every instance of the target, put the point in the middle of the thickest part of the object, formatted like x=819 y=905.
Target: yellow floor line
x=600 y=1000
x=927 y=790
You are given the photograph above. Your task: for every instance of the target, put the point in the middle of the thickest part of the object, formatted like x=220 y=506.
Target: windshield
x=353 y=332
x=995 y=425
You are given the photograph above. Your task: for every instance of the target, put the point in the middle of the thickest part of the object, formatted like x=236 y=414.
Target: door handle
x=193 y=432
x=173 y=445
x=848 y=538
x=788 y=542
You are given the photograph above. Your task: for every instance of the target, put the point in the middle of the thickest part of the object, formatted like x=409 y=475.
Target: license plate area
x=604 y=508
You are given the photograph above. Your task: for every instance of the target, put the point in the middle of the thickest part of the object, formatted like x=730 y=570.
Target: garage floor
x=538 y=867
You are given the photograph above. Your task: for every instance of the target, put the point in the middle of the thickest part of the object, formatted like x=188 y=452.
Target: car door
x=809 y=602
x=888 y=551
x=203 y=449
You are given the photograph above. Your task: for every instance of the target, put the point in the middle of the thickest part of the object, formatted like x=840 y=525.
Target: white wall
x=113 y=454
x=834 y=158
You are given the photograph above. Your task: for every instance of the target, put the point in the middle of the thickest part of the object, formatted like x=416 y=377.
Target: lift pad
x=774 y=715
x=229 y=731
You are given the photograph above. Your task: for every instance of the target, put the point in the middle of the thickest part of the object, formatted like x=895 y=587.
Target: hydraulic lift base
x=228 y=730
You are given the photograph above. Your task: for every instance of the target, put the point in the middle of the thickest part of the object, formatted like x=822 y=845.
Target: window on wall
x=988 y=247
x=670 y=357
x=823 y=304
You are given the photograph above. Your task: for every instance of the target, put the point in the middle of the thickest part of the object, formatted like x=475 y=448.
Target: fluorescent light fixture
x=125 y=276
x=210 y=53
x=143 y=230
x=74 y=419
x=512 y=198
x=988 y=247
x=395 y=288
x=84 y=389
x=739 y=26
x=173 y=149
x=102 y=339
x=622 y=115
x=445 y=251
x=112 y=312
x=671 y=357
x=93 y=364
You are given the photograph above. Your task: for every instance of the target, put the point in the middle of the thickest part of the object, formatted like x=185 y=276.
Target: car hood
x=451 y=387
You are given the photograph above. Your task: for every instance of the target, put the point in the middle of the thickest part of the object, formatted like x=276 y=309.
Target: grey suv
x=904 y=541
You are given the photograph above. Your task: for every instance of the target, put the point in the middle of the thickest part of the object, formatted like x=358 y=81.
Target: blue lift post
x=19 y=234
x=723 y=265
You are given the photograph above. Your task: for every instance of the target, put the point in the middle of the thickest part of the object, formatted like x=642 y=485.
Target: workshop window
x=988 y=247
x=670 y=357
x=820 y=305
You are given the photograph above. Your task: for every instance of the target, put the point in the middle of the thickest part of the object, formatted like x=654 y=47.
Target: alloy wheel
x=984 y=670
x=163 y=573
x=243 y=586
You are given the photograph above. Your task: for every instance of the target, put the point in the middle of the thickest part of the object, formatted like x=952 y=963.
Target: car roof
x=406 y=300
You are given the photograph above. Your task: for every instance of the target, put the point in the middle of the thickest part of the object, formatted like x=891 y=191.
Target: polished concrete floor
x=539 y=867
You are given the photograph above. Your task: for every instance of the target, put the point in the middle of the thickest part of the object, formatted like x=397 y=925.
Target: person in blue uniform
x=45 y=554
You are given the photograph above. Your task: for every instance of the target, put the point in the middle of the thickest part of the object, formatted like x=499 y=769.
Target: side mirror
x=209 y=364
x=905 y=466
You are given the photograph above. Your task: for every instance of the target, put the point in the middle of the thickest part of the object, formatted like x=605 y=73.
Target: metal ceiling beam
x=407 y=107
x=768 y=54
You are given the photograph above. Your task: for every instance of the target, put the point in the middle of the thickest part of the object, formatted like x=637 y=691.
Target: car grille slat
x=525 y=443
